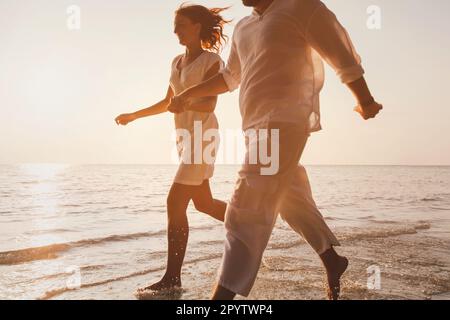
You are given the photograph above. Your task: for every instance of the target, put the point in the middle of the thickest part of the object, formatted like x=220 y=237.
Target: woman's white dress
x=194 y=168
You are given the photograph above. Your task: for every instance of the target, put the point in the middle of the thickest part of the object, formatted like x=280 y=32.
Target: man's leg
x=249 y=221
x=221 y=293
x=299 y=210
x=297 y=206
x=252 y=213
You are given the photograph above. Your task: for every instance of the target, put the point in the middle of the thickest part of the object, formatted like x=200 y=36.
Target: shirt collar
x=270 y=7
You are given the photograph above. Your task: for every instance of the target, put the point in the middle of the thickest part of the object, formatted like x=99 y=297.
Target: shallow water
x=103 y=228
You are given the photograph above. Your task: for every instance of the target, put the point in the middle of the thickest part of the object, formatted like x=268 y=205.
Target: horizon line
x=237 y=164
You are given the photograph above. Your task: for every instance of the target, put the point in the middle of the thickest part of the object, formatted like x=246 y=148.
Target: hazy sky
x=61 y=89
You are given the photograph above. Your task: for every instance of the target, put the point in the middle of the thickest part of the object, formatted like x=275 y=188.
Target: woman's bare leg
x=177 y=236
x=178 y=226
x=204 y=202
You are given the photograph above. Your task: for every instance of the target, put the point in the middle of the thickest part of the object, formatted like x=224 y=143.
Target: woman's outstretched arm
x=155 y=109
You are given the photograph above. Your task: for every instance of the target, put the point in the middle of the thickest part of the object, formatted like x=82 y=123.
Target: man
x=274 y=60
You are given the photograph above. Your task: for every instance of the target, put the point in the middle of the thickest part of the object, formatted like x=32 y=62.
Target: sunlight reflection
x=43 y=190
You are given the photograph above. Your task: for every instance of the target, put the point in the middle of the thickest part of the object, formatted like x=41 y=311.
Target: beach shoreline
x=295 y=273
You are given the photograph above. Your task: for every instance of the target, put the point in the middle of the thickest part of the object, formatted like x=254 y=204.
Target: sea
x=99 y=232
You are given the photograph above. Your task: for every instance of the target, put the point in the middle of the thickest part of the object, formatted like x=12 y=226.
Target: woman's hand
x=125 y=119
x=177 y=104
x=370 y=111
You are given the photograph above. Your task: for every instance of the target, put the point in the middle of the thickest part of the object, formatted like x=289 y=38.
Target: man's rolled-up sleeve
x=232 y=71
x=330 y=39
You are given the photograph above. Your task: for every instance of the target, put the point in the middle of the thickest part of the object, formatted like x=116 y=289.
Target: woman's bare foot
x=335 y=266
x=166 y=283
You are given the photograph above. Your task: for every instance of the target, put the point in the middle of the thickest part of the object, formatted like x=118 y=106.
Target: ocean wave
x=31 y=254
x=31 y=182
x=52 y=251
x=440 y=208
x=386 y=232
x=49 y=231
x=71 y=205
x=351 y=235
x=117 y=208
x=384 y=221
x=381 y=198
x=56 y=292
x=210 y=242
x=61 y=274
x=367 y=217
x=431 y=199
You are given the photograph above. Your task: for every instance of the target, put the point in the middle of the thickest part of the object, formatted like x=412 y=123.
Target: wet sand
x=412 y=266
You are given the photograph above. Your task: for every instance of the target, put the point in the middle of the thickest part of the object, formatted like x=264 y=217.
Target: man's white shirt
x=276 y=59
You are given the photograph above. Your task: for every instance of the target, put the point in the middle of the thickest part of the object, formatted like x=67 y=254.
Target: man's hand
x=370 y=111
x=177 y=104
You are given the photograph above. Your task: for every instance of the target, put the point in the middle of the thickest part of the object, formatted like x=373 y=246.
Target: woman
x=200 y=31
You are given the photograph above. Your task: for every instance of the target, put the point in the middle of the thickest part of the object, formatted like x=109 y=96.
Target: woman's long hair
x=212 y=22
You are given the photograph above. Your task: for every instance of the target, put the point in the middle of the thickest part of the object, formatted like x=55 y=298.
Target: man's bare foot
x=335 y=266
x=334 y=275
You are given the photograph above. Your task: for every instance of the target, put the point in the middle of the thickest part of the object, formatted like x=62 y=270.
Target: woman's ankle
x=172 y=279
